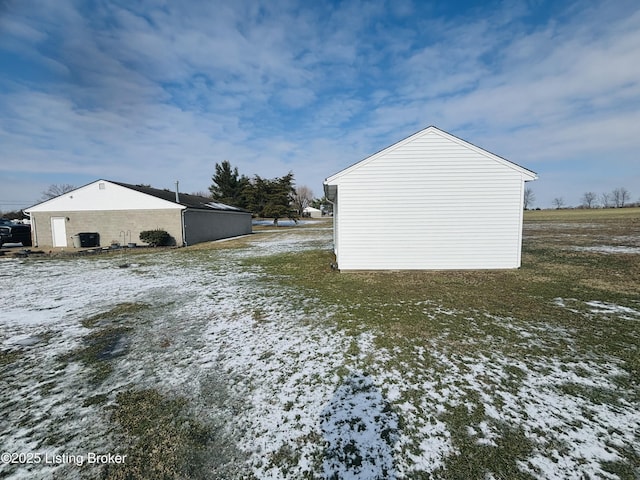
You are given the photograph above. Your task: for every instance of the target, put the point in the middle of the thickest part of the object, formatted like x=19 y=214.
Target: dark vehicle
x=14 y=233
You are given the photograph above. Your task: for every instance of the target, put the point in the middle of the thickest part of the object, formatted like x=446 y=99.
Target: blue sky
x=156 y=91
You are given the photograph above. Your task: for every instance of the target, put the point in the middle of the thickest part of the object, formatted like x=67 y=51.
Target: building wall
x=431 y=203
x=204 y=226
x=121 y=226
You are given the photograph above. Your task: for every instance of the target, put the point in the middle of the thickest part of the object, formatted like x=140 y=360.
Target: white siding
x=432 y=202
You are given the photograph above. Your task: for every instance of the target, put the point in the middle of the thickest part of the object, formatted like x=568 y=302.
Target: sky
x=155 y=92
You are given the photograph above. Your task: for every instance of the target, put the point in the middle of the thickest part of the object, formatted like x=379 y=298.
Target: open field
x=584 y=215
x=251 y=358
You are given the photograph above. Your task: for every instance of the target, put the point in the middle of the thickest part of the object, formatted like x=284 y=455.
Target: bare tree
x=529 y=198
x=302 y=198
x=605 y=199
x=620 y=196
x=201 y=193
x=558 y=202
x=56 y=190
x=589 y=199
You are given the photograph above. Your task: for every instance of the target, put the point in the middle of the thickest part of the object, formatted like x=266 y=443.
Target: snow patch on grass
x=610 y=249
x=360 y=429
x=550 y=402
x=598 y=308
x=620 y=311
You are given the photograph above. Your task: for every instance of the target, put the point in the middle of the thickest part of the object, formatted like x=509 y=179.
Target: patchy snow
x=269 y=242
x=608 y=249
x=536 y=404
x=360 y=429
x=292 y=392
x=559 y=225
x=599 y=308
x=209 y=318
x=619 y=311
x=286 y=222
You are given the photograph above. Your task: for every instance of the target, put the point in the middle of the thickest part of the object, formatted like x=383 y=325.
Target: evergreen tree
x=255 y=194
x=228 y=185
x=271 y=198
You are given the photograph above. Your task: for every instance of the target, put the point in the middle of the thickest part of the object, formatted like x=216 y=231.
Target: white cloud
x=155 y=92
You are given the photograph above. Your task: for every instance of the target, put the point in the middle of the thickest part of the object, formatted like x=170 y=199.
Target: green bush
x=155 y=237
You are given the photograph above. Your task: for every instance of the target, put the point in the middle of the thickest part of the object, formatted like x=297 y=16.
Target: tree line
x=264 y=197
x=617 y=198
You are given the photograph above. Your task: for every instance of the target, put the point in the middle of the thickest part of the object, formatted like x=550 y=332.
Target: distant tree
x=605 y=199
x=55 y=190
x=302 y=198
x=529 y=198
x=228 y=185
x=620 y=197
x=558 y=202
x=13 y=215
x=589 y=199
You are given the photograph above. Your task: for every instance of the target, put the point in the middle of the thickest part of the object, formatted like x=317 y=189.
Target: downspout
x=34 y=231
x=521 y=223
x=184 y=229
x=334 y=210
x=333 y=202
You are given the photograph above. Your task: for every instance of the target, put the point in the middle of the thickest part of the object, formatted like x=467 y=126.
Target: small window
x=101 y=186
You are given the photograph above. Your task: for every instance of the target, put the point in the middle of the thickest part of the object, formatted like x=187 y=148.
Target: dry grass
x=583 y=215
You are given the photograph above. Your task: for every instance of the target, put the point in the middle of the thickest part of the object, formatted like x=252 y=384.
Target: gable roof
x=184 y=199
x=528 y=174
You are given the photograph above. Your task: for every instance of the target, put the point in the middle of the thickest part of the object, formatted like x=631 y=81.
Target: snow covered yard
x=252 y=359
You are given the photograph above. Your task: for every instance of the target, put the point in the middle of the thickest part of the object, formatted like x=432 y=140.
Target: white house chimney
x=177 y=194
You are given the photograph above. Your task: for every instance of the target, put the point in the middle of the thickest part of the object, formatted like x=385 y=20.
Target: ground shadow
x=360 y=430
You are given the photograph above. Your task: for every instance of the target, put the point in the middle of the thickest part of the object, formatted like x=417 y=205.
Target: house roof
x=189 y=201
x=184 y=200
x=330 y=187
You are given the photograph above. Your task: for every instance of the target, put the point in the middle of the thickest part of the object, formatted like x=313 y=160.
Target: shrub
x=155 y=237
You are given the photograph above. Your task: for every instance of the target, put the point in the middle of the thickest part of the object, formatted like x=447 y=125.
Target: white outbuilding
x=312 y=212
x=430 y=201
